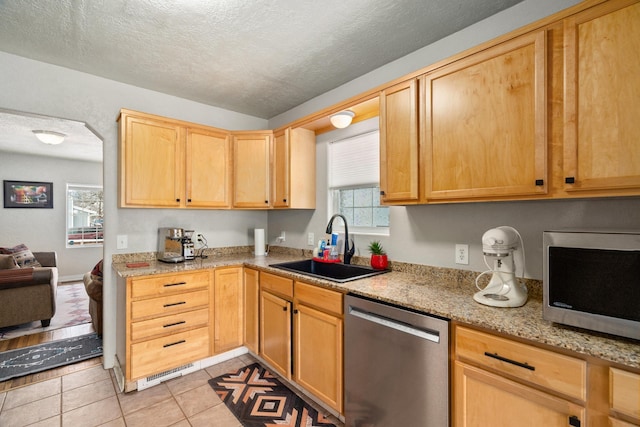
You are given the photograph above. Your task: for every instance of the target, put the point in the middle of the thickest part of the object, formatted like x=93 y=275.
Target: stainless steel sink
x=335 y=272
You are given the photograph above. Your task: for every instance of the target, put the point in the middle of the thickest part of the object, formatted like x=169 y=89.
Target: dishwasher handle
x=407 y=328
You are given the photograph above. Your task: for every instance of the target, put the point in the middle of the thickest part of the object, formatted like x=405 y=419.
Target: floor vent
x=156 y=379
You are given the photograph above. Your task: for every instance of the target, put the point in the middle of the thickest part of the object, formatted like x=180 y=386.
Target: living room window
x=354 y=187
x=85 y=215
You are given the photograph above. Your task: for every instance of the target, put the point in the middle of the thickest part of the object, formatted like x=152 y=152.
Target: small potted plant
x=379 y=259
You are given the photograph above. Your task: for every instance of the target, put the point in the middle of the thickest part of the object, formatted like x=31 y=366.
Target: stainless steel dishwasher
x=396 y=369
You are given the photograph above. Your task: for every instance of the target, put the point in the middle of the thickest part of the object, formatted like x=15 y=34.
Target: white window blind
x=355 y=161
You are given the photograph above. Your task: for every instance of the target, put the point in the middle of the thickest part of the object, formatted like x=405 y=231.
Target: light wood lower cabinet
x=486 y=399
x=251 y=309
x=275 y=332
x=228 y=311
x=318 y=337
x=624 y=395
x=500 y=382
x=167 y=322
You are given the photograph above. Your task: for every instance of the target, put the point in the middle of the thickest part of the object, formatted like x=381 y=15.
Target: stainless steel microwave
x=591 y=280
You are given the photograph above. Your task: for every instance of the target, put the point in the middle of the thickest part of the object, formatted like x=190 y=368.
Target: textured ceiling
x=256 y=57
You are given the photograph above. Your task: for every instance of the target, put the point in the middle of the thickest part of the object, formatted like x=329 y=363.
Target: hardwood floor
x=44 y=337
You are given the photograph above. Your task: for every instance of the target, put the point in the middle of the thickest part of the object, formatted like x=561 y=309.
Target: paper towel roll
x=258 y=237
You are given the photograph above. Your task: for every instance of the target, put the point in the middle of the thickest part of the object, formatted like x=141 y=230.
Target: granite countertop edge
x=445 y=296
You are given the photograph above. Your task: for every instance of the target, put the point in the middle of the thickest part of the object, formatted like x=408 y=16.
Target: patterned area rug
x=258 y=399
x=29 y=360
x=72 y=308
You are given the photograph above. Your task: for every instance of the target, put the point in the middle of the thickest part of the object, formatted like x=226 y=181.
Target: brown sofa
x=93 y=286
x=29 y=294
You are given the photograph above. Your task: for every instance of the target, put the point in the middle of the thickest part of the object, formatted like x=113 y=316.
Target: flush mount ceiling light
x=342 y=119
x=49 y=137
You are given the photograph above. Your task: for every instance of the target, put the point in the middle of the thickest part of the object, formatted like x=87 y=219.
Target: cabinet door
x=318 y=354
x=251 y=295
x=294 y=169
x=208 y=169
x=228 y=309
x=602 y=98
x=151 y=163
x=485 y=123
x=251 y=165
x=399 y=156
x=484 y=399
x=275 y=332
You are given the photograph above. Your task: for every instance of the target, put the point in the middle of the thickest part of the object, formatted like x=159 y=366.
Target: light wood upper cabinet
x=484 y=123
x=208 y=168
x=151 y=162
x=294 y=169
x=399 y=154
x=167 y=163
x=602 y=98
x=252 y=169
x=228 y=309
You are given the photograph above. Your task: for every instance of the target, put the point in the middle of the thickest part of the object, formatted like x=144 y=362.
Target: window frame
x=98 y=230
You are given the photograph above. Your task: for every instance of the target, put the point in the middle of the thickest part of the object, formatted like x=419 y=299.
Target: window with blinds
x=354 y=183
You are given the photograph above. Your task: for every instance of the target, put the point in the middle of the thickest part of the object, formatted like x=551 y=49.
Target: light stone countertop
x=441 y=292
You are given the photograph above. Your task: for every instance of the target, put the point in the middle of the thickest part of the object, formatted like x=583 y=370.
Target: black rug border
x=297 y=402
x=7 y=354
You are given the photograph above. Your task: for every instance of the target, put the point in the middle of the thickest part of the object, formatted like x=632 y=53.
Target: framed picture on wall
x=28 y=194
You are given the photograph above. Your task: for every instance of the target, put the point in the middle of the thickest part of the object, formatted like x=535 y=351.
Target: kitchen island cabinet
x=252 y=169
x=484 y=123
x=602 y=99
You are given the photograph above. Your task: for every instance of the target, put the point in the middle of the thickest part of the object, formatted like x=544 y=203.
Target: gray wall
x=36 y=87
x=44 y=229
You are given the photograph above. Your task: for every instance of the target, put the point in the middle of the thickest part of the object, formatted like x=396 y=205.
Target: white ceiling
x=256 y=57
x=16 y=136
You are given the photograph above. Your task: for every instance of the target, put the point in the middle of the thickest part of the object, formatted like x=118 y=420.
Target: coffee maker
x=170 y=244
x=188 y=248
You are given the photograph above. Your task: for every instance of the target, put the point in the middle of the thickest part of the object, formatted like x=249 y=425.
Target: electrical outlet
x=311 y=239
x=462 y=254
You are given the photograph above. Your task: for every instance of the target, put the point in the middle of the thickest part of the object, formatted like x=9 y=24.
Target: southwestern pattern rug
x=37 y=358
x=258 y=399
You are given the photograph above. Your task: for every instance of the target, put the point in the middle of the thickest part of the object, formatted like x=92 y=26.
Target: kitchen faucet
x=348 y=252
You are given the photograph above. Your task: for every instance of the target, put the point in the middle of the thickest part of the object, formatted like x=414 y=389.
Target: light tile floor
x=91 y=398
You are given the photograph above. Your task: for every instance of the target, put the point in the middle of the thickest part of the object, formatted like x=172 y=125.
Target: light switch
x=121 y=242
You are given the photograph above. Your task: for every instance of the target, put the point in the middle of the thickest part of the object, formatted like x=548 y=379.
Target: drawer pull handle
x=174 y=284
x=182 y=322
x=524 y=365
x=174 y=303
x=175 y=343
x=574 y=421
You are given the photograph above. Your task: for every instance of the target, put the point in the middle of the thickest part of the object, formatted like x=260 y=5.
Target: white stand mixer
x=504 y=289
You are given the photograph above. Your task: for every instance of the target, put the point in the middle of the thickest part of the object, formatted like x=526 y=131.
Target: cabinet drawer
x=167 y=284
x=170 y=304
x=169 y=324
x=277 y=284
x=160 y=354
x=624 y=389
x=554 y=371
x=325 y=299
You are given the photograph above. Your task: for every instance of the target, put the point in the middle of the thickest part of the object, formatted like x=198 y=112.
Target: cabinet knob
x=284 y=308
x=177 y=200
x=295 y=311
x=574 y=421
x=382 y=192
x=284 y=200
x=266 y=201
x=189 y=200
